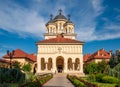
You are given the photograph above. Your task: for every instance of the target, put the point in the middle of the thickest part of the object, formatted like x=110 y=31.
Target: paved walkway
x=58 y=80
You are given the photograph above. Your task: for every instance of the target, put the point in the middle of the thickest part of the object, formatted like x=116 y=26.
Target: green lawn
x=104 y=84
x=13 y=85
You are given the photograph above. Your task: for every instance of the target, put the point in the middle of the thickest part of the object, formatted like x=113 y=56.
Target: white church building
x=60 y=52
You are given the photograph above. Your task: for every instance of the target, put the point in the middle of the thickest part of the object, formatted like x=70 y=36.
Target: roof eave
x=40 y=43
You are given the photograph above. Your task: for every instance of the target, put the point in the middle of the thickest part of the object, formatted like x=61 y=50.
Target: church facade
x=60 y=52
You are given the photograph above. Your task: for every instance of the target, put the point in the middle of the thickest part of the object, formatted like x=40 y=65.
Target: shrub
x=33 y=84
x=4 y=85
x=91 y=68
x=99 y=77
x=26 y=67
x=76 y=82
x=118 y=84
x=30 y=76
x=11 y=75
x=92 y=78
x=110 y=79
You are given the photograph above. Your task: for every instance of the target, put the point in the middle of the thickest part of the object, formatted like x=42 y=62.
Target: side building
x=22 y=57
x=98 y=56
x=4 y=63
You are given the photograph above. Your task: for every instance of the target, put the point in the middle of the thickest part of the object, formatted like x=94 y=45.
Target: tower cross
x=68 y=16
x=51 y=16
x=60 y=11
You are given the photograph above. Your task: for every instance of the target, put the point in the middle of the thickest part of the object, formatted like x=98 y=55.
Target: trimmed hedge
x=110 y=79
x=32 y=84
x=40 y=80
x=99 y=77
x=76 y=82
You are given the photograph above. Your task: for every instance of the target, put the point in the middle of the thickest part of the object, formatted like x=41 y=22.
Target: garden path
x=59 y=80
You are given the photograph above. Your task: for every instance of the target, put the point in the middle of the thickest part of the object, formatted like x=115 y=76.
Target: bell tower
x=60 y=25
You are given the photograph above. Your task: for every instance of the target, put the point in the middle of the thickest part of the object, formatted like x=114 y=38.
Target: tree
x=114 y=60
x=101 y=66
x=26 y=67
x=16 y=65
x=91 y=68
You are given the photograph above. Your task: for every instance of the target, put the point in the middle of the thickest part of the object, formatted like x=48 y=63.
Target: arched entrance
x=60 y=64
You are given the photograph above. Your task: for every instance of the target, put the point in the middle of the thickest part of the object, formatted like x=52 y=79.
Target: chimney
x=98 y=53
x=110 y=52
x=102 y=48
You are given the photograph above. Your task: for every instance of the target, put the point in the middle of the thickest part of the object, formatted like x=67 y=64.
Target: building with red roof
x=22 y=57
x=4 y=63
x=96 y=57
x=60 y=51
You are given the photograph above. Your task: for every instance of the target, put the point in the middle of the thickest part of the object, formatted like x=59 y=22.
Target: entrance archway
x=60 y=64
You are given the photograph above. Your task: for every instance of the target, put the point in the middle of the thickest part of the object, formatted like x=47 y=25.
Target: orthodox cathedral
x=60 y=52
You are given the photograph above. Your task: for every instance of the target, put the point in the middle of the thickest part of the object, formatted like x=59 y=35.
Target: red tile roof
x=60 y=39
x=100 y=54
x=86 y=57
x=5 y=61
x=21 y=54
x=32 y=57
x=18 y=53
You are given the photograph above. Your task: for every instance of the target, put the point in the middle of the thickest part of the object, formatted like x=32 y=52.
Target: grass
x=104 y=84
x=13 y=85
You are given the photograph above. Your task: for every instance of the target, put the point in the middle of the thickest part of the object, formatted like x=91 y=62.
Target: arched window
x=42 y=63
x=69 y=30
x=49 y=63
x=77 y=64
x=70 y=66
x=60 y=26
x=50 y=30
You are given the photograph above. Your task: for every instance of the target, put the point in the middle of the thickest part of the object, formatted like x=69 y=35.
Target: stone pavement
x=59 y=80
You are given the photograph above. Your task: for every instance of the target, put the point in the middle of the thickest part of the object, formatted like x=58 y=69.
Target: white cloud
x=97 y=6
x=87 y=27
x=30 y=22
x=22 y=21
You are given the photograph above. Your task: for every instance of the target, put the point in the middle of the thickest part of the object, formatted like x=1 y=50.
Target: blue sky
x=22 y=23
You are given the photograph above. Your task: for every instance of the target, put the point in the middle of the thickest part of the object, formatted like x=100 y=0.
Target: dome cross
x=60 y=11
x=51 y=16
x=69 y=16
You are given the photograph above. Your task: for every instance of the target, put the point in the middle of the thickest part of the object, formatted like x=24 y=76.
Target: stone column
x=46 y=63
x=38 y=64
x=81 y=67
x=65 y=65
x=73 y=66
x=46 y=66
x=54 y=65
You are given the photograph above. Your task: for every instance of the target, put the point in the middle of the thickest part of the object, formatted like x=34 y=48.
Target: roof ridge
x=60 y=40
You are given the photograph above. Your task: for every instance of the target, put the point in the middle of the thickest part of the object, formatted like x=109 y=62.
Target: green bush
x=4 y=85
x=99 y=77
x=91 y=68
x=11 y=75
x=91 y=77
x=118 y=84
x=33 y=84
x=26 y=67
x=110 y=79
x=76 y=82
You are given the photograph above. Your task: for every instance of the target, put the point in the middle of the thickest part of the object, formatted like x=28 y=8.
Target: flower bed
x=82 y=83
x=39 y=81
